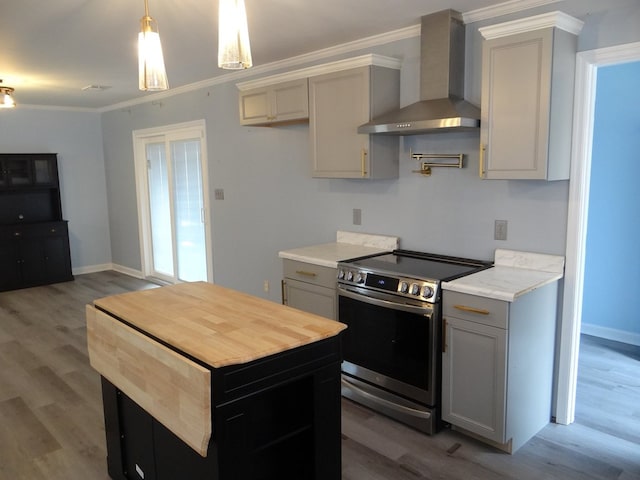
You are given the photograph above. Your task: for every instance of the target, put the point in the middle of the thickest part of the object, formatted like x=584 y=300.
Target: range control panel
x=408 y=287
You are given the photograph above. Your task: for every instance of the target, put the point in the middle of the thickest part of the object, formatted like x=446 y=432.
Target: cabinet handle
x=17 y=234
x=444 y=335
x=464 y=308
x=483 y=149
x=363 y=162
x=283 y=291
x=53 y=230
x=305 y=273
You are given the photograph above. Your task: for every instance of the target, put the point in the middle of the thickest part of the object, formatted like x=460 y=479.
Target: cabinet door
x=516 y=93
x=57 y=256
x=474 y=377
x=338 y=104
x=17 y=171
x=9 y=264
x=44 y=170
x=32 y=262
x=283 y=102
x=290 y=101
x=255 y=107
x=311 y=298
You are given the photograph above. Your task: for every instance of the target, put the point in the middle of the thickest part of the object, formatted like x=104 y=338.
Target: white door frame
x=142 y=189
x=585 y=95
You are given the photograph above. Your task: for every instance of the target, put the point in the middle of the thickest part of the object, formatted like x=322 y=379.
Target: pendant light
x=151 y=73
x=6 y=97
x=234 y=51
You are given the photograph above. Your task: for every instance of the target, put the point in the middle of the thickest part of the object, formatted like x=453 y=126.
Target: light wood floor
x=51 y=417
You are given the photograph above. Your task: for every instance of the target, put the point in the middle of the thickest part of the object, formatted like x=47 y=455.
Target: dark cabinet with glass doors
x=34 y=239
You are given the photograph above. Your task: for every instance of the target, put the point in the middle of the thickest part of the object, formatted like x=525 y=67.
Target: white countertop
x=347 y=245
x=513 y=274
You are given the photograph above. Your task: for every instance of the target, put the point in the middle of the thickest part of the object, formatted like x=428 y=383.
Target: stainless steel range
x=392 y=349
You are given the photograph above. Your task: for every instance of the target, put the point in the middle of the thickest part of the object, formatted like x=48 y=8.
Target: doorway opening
x=586 y=76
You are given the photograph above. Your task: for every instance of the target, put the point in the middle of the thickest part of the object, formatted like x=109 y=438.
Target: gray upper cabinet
x=284 y=102
x=341 y=101
x=528 y=71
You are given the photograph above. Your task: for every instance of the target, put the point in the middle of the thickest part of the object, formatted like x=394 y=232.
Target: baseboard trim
x=108 y=266
x=608 y=333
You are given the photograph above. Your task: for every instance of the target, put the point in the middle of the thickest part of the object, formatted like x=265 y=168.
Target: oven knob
x=415 y=289
x=359 y=278
x=428 y=292
x=404 y=287
x=340 y=274
x=350 y=276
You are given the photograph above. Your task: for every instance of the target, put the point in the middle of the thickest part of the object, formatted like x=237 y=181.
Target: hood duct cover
x=442 y=106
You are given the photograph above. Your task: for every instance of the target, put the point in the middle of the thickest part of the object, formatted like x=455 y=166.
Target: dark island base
x=273 y=418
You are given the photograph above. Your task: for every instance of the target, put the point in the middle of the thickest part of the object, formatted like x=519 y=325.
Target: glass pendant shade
x=6 y=97
x=234 y=50
x=151 y=72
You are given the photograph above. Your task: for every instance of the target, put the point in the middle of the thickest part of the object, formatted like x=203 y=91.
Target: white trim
x=167 y=133
x=614 y=334
x=512 y=6
x=547 y=20
x=346 y=64
x=584 y=106
x=92 y=269
x=127 y=271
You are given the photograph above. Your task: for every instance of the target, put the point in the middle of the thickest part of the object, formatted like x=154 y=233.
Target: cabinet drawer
x=486 y=311
x=310 y=273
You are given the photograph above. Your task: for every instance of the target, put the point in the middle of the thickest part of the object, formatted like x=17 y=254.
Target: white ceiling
x=50 y=50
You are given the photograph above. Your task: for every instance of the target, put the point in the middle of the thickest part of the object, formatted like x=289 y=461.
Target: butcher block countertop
x=217 y=325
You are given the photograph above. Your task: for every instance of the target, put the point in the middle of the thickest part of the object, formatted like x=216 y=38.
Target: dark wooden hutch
x=34 y=239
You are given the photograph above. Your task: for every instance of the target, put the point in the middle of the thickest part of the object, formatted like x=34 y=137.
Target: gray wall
x=77 y=139
x=272 y=203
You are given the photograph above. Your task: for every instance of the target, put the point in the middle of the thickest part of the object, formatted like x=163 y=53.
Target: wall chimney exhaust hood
x=442 y=106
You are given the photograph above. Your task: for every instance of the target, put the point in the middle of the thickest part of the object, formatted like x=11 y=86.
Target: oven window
x=391 y=342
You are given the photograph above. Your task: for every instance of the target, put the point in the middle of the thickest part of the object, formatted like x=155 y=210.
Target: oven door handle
x=426 y=311
x=385 y=403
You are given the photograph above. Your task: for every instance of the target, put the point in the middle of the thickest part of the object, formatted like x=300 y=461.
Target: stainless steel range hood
x=442 y=106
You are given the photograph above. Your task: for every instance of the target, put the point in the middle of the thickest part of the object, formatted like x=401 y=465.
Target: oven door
x=390 y=344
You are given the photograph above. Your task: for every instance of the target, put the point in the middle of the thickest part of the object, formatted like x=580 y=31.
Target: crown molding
x=511 y=6
x=547 y=20
x=347 y=63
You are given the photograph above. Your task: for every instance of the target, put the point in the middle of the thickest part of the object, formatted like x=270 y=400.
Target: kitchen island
x=204 y=382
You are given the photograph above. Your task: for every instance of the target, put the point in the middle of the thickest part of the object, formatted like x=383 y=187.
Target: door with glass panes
x=174 y=205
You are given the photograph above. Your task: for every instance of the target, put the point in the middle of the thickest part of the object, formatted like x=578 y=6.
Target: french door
x=172 y=202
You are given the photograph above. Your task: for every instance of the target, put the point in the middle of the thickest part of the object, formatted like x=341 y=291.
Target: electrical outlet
x=218 y=193
x=357 y=216
x=265 y=286
x=500 y=230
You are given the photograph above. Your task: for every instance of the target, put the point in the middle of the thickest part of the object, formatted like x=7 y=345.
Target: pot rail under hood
x=442 y=106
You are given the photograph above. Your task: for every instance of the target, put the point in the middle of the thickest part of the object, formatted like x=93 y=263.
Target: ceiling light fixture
x=234 y=51
x=6 y=97
x=151 y=73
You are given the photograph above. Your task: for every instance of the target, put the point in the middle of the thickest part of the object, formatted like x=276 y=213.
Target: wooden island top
x=217 y=325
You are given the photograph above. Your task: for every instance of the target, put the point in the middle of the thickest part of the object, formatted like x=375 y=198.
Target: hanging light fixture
x=151 y=73
x=6 y=97
x=234 y=51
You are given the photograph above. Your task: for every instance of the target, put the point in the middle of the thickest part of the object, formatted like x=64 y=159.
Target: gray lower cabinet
x=310 y=287
x=497 y=365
